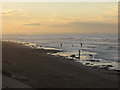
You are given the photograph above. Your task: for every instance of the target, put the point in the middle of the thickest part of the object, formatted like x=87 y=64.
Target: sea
x=95 y=50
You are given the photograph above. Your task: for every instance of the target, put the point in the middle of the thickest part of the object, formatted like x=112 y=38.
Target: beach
x=37 y=69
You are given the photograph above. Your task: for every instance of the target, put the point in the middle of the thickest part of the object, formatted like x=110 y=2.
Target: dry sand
x=39 y=70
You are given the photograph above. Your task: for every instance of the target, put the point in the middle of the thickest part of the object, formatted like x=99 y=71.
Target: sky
x=59 y=17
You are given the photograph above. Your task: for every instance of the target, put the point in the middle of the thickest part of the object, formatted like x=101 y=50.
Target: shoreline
x=55 y=52
x=49 y=67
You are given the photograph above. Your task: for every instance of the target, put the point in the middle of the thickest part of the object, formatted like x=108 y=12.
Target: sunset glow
x=69 y=17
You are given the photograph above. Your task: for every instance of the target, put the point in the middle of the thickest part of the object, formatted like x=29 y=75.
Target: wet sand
x=37 y=69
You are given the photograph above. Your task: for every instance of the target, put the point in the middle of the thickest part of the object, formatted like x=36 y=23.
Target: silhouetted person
x=81 y=44
x=61 y=44
x=72 y=45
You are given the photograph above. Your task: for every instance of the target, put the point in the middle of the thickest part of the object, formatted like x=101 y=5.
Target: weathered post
x=79 y=54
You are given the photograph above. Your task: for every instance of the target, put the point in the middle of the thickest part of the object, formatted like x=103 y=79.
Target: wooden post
x=79 y=54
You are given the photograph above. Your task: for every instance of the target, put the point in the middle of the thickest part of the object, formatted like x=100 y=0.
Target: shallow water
x=103 y=47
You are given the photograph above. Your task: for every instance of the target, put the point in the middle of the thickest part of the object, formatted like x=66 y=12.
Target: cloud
x=109 y=17
x=33 y=24
x=84 y=24
x=89 y=27
x=112 y=12
x=9 y=11
x=64 y=22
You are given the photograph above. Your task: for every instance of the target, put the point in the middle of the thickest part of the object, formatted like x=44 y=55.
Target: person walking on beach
x=81 y=44
x=72 y=45
x=61 y=44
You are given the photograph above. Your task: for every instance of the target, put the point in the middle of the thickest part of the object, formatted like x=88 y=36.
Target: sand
x=10 y=83
x=38 y=70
